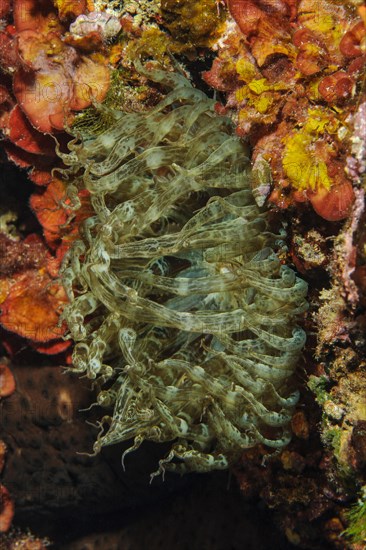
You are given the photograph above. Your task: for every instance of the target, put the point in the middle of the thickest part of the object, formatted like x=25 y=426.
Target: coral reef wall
x=290 y=77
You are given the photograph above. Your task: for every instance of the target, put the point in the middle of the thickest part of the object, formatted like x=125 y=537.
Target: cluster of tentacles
x=180 y=309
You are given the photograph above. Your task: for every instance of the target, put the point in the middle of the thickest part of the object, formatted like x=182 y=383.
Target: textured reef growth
x=181 y=311
x=292 y=76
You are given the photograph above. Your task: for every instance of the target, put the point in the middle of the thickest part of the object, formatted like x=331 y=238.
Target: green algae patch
x=192 y=22
x=356 y=530
x=180 y=309
x=155 y=44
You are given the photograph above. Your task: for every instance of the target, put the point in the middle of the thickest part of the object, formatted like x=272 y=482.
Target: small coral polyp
x=181 y=311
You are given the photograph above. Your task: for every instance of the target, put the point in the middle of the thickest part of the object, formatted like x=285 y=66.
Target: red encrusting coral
x=22 y=134
x=7 y=387
x=337 y=87
x=335 y=204
x=292 y=74
x=30 y=297
x=49 y=74
x=4 y=8
x=6 y=509
x=53 y=78
x=350 y=45
x=7 y=382
x=31 y=307
x=47 y=205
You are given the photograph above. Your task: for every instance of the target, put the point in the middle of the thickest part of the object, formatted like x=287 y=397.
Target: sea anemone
x=181 y=311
